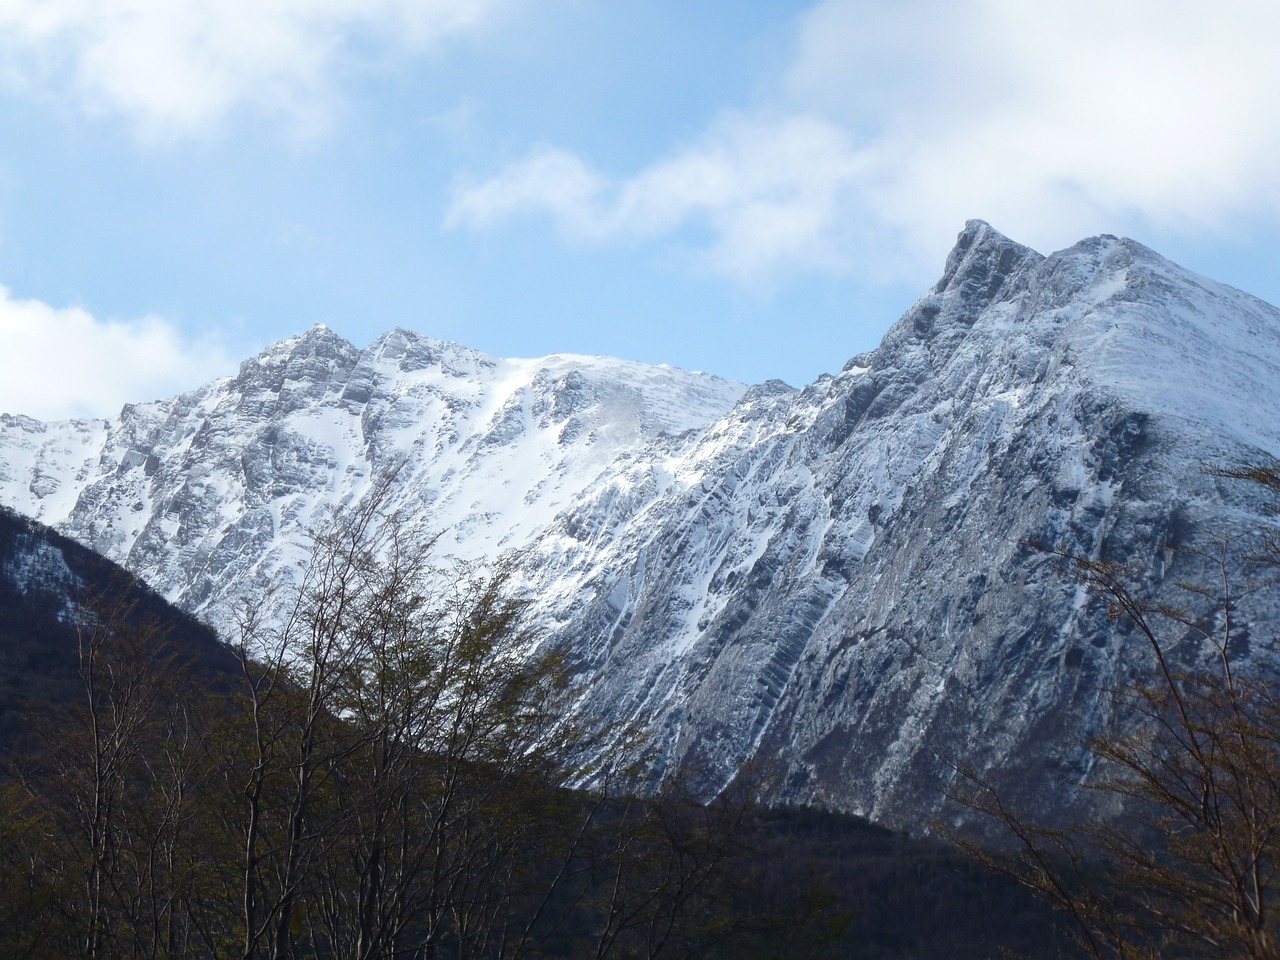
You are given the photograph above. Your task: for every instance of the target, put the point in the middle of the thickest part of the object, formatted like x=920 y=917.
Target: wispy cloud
x=766 y=190
x=177 y=68
x=96 y=365
x=896 y=122
x=548 y=180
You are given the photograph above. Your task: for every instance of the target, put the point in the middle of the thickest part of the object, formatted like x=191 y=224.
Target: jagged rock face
x=834 y=580
x=844 y=590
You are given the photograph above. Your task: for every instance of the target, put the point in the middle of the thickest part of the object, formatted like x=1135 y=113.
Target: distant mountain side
x=835 y=580
x=48 y=586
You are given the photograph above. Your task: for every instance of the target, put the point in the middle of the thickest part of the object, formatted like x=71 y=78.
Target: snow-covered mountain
x=833 y=579
x=209 y=495
x=847 y=594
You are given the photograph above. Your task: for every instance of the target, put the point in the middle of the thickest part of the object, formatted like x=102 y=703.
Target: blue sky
x=756 y=188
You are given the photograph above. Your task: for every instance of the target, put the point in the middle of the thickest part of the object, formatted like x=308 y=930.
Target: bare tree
x=385 y=778
x=114 y=782
x=405 y=742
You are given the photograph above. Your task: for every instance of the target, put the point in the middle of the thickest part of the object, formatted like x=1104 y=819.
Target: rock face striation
x=835 y=581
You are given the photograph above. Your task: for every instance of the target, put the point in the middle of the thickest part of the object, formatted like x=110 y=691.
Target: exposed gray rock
x=846 y=593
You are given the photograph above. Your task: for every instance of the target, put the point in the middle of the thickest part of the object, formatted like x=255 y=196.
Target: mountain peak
x=292 y=372
x=983 y=260
x=317 y=336
x=312 y=348
x=408 y=349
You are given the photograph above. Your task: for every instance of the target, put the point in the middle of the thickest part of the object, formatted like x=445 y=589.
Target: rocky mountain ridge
x=210 y=495
x=835 y=580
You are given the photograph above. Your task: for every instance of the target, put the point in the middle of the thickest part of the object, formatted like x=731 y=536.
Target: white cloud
x=765 y=189
x=896 y=122
x=177 y=68
x=58 y=363
x=546 y=181
x=1056 y=119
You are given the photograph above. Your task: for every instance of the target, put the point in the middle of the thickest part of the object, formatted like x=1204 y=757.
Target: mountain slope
x=848 y=594
x=835 y=579
x=48 y=586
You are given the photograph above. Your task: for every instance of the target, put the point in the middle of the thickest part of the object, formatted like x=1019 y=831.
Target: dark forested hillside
x=45 y=578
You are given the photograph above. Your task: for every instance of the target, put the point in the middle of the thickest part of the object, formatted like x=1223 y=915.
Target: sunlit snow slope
x=209 y=496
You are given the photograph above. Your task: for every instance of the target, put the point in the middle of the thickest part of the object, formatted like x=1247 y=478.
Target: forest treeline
x=382 y=775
